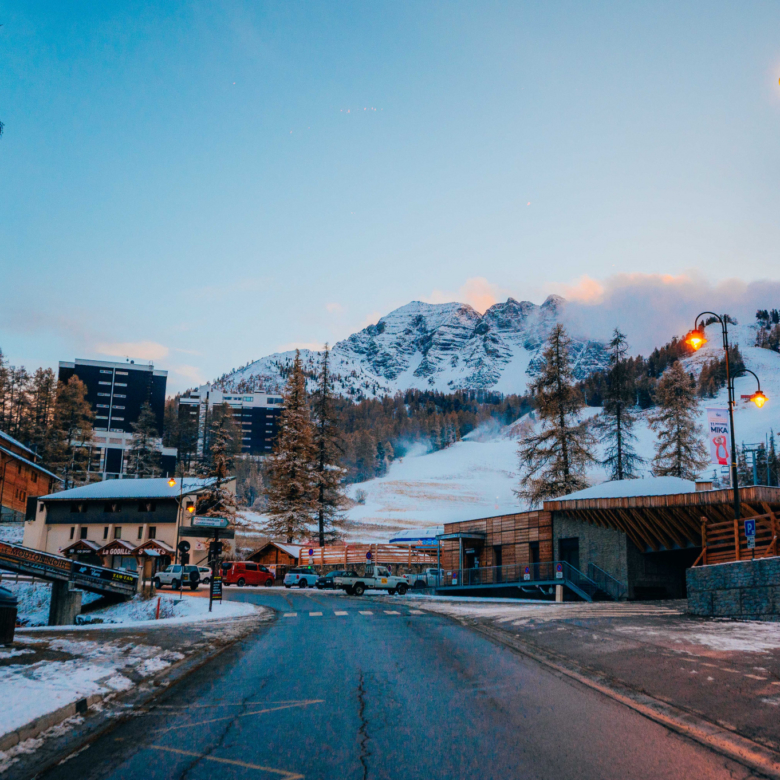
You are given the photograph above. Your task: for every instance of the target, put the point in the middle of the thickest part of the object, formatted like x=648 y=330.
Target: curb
x=35 y=727
x=711 y=735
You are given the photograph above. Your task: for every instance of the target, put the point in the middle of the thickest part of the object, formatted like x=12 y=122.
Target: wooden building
x=21 y=477
x=504 y=540
x=278 y=557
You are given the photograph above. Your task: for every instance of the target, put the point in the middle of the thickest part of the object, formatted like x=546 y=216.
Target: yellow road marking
x=284 y=773
x=242 y=715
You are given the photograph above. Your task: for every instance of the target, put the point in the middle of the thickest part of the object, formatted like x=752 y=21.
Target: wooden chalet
x=22 y=477
x=278 y=557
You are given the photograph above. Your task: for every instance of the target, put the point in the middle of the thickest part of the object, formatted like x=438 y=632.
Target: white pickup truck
x=375 y=578
x=428 y=578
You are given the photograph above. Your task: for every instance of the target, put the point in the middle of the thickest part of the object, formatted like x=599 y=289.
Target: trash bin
x=7 y=616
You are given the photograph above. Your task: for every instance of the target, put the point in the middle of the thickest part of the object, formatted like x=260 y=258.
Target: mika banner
x=719 y=436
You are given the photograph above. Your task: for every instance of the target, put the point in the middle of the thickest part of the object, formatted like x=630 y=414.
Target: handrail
x=609 y=584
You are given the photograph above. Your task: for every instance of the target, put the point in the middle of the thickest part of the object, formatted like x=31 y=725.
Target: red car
x=246 y=573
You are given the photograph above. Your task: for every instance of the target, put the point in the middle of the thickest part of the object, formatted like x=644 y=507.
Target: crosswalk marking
x=341 y=613
x=416 y=612
x=391 y=612
x=367 y=612
x=291 y=614
x=315 y=614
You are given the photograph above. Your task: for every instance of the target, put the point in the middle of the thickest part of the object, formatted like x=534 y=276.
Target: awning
x=476 y=535
x=154 y=548
x=81 y=545
x=117 y=547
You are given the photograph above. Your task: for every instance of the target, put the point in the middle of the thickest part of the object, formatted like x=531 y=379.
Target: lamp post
x=697 y=339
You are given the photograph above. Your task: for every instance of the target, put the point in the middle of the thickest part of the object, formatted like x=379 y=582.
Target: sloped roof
x=156 y=487
x=29 y=463
x=627 y=488
x=16 y=443
x=293 y=550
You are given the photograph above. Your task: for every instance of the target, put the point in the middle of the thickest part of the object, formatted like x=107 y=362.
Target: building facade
x=116 y=520
x=116 y=392
x=21 y=478
x=256 y=415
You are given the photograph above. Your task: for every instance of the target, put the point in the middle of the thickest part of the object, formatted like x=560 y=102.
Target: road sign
x=368 y=555
x=184 y=546
x=527 y=573
x=558 y=572
x=201 y=533
x=311 y=552
x=750 y=534
x=210 y=522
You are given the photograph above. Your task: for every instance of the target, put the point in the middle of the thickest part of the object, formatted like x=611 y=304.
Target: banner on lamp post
x=719 y=436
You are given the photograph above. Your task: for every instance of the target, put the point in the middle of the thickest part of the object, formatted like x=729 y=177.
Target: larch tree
x=680 y=449
x=72 y=433
x=328 y=474
x=292 y=488
x=614 y=426
x=553 y=461
x=143 y=457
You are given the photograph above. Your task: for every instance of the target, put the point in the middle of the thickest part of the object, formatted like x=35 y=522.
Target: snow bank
x=34 y=599
x=13 y=533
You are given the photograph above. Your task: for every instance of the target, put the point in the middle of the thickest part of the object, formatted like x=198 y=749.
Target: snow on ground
x=726 y=636
x=33 y=599
x=13 y=533
x=89 y=668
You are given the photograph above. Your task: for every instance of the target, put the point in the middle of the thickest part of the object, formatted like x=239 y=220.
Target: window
x=251 y=567
x=105 y=383
x=83 y=533
x=105 y=532
x=140 y=532
x=152 y=531
x=121 y=373
x=35 y=476
x=120 y=384
x=103 y=406
x=106 y=371
x=72 y=531
x=112 y=508
x=101 y=417
x=119 y=407
x=104 y=395
x=18 y=468
x=118 y=532
x=146 y=506
x=119 y=419
x=117 y=395
x=78 y=507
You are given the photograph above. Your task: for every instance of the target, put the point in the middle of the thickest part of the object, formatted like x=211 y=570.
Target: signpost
x=527 y=573
x=210 y=522
x=750 y=534
x=558 y=572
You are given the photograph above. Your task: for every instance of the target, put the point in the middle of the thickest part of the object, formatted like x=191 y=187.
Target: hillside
x=443 y=347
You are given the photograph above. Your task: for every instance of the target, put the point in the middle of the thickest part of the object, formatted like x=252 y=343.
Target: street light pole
x=697 y=339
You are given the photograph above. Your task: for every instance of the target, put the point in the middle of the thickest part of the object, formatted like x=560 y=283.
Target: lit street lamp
x=697 y=339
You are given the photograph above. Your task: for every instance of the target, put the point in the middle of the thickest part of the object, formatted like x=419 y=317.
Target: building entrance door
x=569 y=551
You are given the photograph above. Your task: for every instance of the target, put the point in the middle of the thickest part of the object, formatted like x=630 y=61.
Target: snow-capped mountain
x=445 y=347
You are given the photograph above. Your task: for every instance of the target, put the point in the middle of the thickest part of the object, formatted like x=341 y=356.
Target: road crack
x=365 y=753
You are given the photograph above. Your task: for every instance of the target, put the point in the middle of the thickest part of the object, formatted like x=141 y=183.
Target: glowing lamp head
x=191 y=508
x=696 y=338
x=172 y=482
x=758 y=398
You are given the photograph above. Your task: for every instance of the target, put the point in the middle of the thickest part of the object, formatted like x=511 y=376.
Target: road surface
x=356 y=689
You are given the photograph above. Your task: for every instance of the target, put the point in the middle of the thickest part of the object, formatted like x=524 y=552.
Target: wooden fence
x=724 y=541
x=344 y=555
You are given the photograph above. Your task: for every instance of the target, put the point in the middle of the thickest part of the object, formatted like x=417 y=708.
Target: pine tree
x=292 y=492
x=680 y=450
x=223 y=446
x=616 y=422
x=43 y=399
x=329 y=476
x=71 y=433
x=553 y=461
x=143 y=457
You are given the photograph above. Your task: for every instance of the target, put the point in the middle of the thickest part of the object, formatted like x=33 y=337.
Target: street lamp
x=697 y=339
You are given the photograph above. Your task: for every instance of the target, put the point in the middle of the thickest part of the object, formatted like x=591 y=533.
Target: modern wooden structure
x=725 y=541
x=21 y=477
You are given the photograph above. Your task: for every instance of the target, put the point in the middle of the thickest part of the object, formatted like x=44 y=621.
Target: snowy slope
x=443 y=347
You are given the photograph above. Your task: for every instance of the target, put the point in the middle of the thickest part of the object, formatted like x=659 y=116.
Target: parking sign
x=750 y=534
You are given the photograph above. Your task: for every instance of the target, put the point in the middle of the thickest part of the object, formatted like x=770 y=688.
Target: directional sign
x=207 y=533
x=750 y=534
x=210 y=522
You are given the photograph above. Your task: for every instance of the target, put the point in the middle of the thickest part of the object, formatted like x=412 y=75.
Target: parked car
x=428 y=578
x=246 y=573
x=177 y=575
x=301 y=577
x=375 y=578
x=326 y=580
x=205 y=574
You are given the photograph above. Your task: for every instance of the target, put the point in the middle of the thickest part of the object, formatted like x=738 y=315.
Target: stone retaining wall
x=742 y=589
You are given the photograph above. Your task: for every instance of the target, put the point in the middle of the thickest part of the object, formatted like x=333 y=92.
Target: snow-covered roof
x=291 y=549
x=417 y=535
x=16 y=443
x=628 y=488
x=155 y=487
x=82 y=543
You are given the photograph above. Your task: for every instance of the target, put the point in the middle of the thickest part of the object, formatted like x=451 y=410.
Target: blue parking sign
x=750 y=527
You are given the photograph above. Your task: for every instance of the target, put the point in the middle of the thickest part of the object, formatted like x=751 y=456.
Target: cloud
x=144 y=350
x=651 y=308
x=370 y=319
x=189 y=372
x=334 y=308
x=478 y=292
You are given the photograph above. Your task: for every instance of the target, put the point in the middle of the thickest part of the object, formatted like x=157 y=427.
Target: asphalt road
x=355 y=696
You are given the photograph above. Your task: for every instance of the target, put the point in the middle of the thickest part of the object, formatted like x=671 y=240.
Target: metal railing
x=610 y=585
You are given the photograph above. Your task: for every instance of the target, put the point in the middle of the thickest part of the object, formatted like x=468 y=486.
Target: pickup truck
x=376 y=578
x=428 y=578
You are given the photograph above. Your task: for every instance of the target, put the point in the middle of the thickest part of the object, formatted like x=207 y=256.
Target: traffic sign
x=558 y=571
x=750 y=534
x=311 y=552
x=184 y=546
x=368 y=555
x=527 y=573
x=210 y=522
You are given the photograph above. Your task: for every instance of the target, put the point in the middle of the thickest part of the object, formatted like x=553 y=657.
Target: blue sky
x=205 y=183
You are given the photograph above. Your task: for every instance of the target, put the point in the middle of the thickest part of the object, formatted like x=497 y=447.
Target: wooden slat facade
x=510 y=536
x=21 y=478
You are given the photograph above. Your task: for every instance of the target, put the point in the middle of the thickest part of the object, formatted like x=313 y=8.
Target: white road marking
x=416 y=612
x=291 y=614
x=755 y=677
x=342 y=613
x=367 y=612
x=391 y=612
x=315 y=614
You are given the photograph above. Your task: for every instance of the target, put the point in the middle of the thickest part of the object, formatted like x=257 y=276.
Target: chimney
x=702 y=485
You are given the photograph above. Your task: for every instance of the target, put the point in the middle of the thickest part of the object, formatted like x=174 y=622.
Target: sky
x=203 y=184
